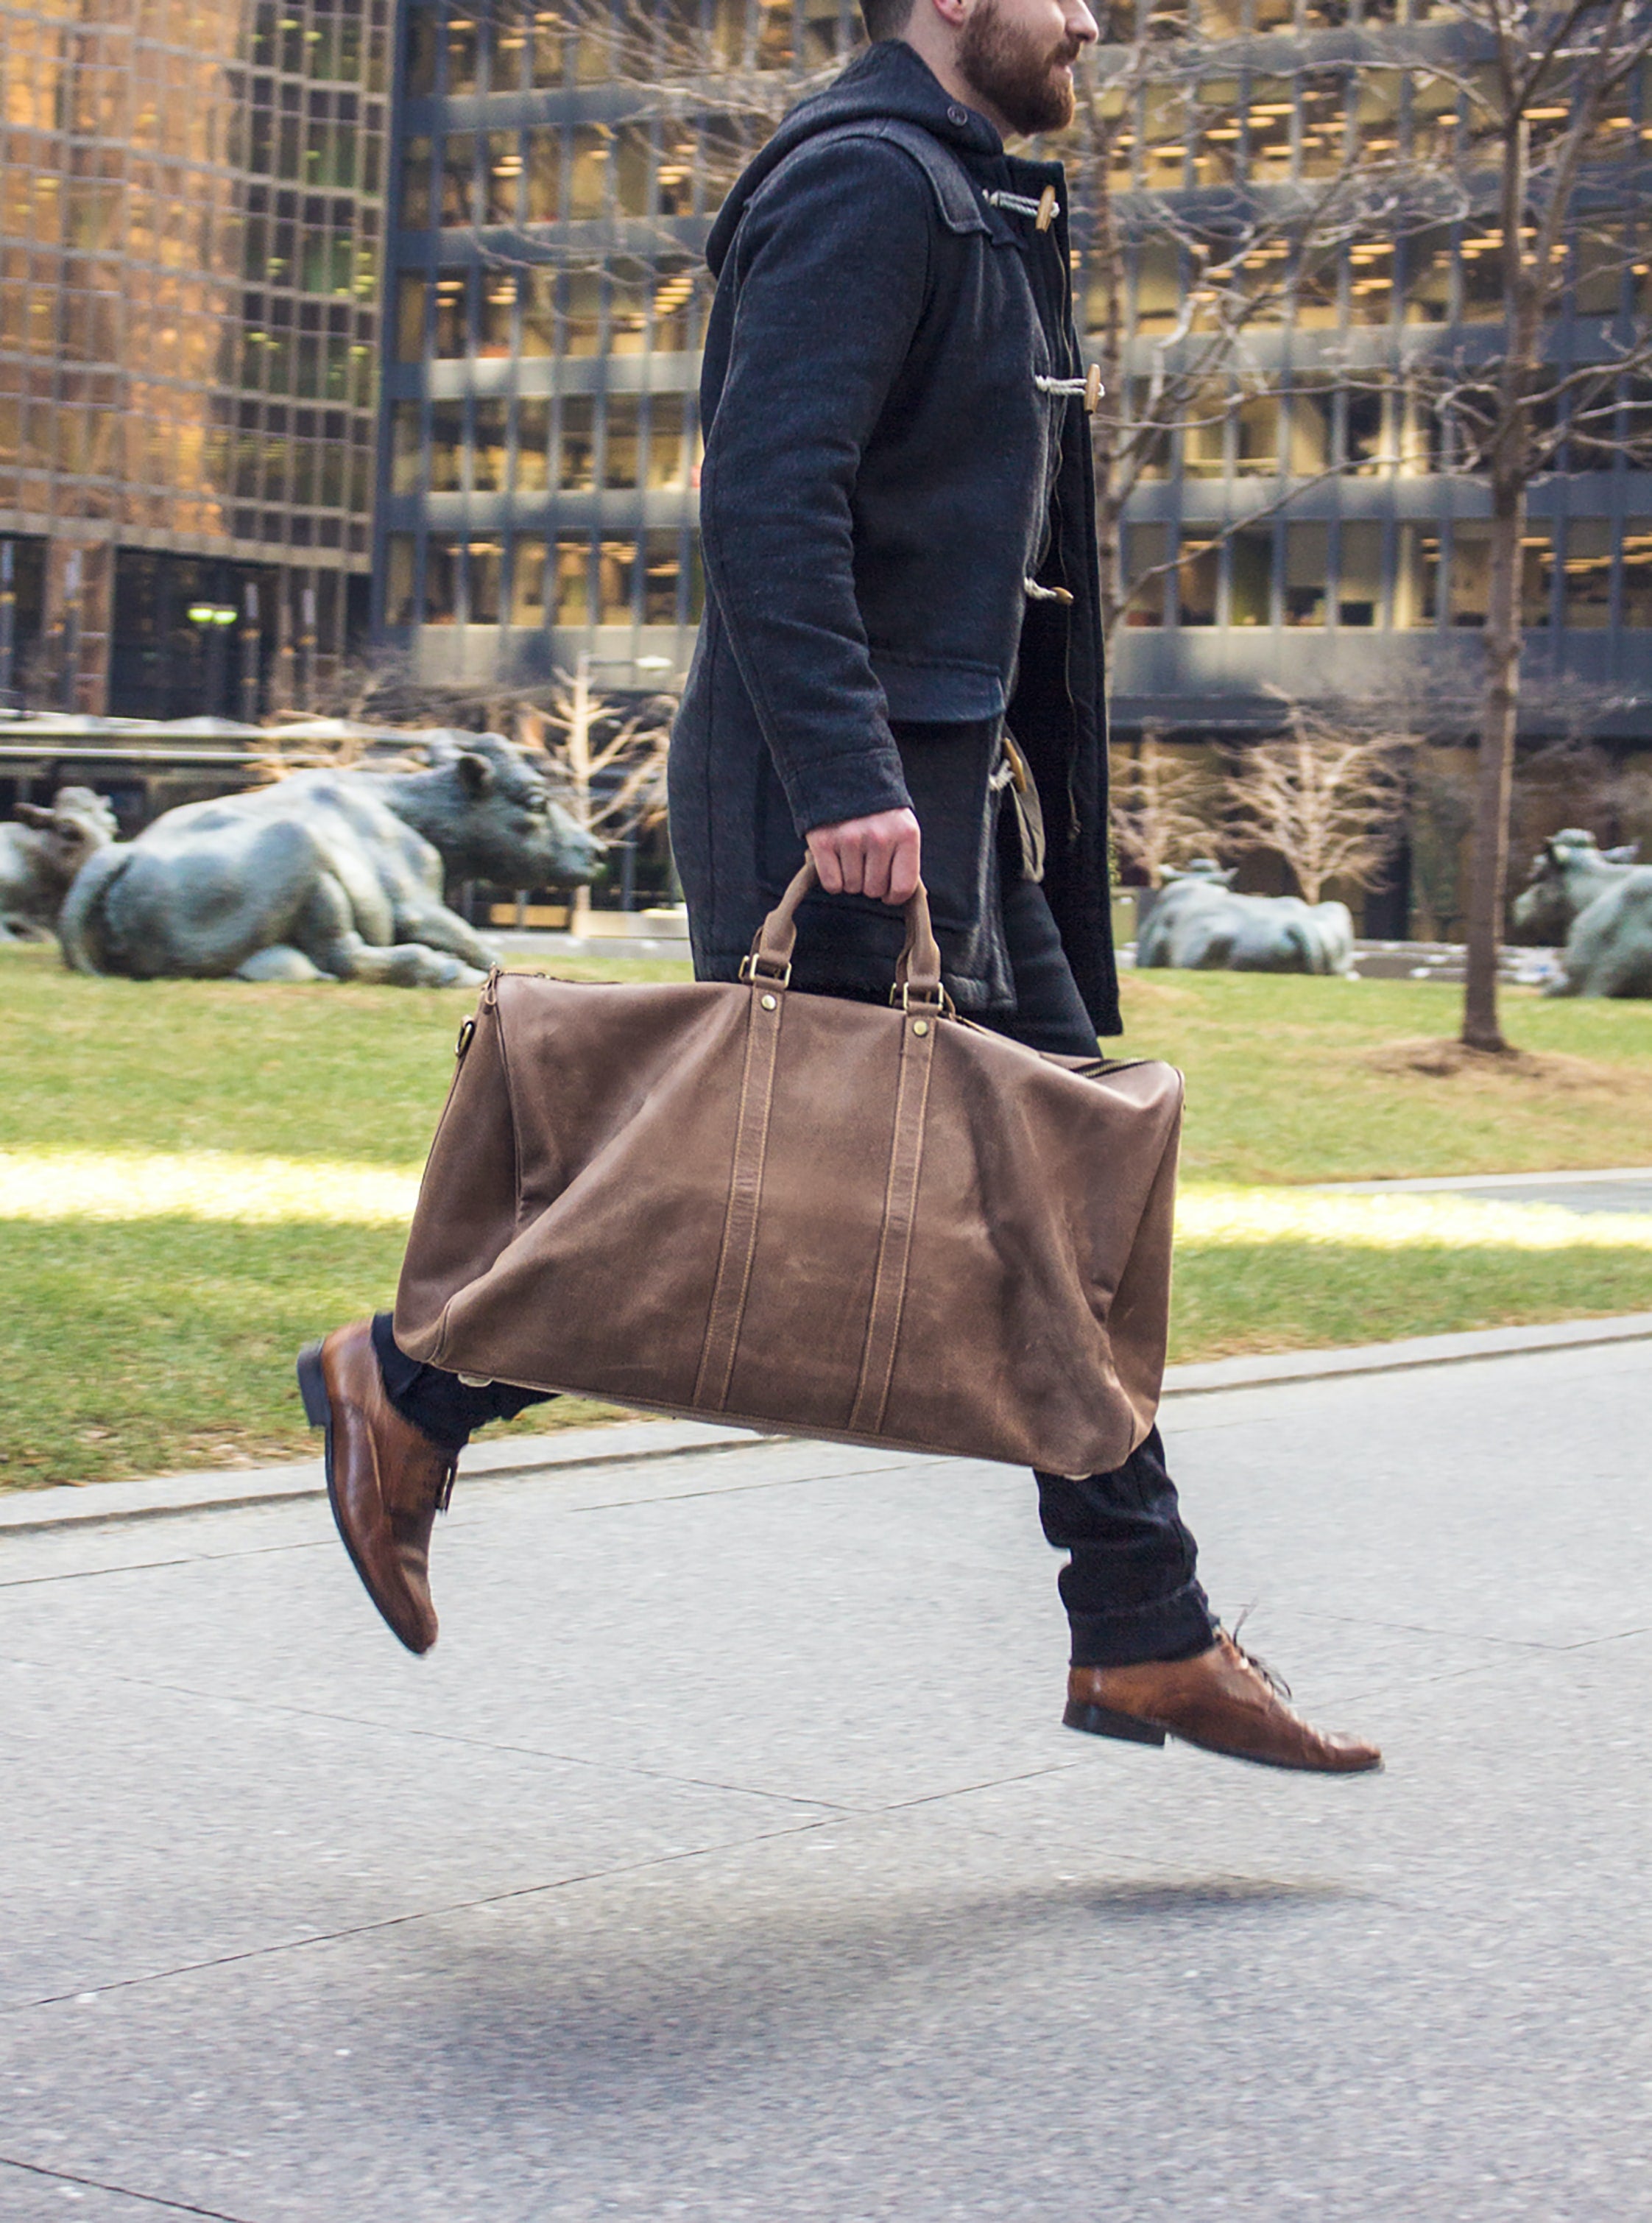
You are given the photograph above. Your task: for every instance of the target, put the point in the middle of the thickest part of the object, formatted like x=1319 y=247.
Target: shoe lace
x=1275 y=1681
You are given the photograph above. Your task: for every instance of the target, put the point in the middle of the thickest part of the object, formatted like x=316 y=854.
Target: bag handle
x=917 y=973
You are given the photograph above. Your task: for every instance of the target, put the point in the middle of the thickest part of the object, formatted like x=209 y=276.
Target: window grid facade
x=191 y=236
x=546 y=302
x=542 y=444
x=1385 y=537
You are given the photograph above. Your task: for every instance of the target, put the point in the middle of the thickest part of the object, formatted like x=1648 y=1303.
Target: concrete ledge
x=620 y=1444
x=1261 y=1372
x=627 y=1442
x=1460 y=1184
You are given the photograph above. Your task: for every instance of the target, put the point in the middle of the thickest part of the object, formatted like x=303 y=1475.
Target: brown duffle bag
x=796 y=1212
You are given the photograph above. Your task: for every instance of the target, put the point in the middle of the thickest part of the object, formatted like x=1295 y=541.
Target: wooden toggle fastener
x=1046 y=208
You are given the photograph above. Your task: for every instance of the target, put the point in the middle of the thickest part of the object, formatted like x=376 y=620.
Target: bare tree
x=1326 y=800
x=1158 y=188
x=1164 y=809
x=611 y=761
x=1549 y=89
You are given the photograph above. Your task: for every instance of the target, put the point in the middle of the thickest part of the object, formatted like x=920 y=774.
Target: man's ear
x=475 y=774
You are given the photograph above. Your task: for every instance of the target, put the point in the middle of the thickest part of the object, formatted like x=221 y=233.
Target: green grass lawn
x=141 y=1336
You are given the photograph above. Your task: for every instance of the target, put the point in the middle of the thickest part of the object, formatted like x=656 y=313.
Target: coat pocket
x=925 y=691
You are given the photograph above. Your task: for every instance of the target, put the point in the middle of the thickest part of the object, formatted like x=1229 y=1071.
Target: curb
x=1264 y=1373
x=628 y=1442
x=625 y=1442
x=1468 y=1184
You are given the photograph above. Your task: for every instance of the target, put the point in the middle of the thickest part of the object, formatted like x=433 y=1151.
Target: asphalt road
x=727 y=1860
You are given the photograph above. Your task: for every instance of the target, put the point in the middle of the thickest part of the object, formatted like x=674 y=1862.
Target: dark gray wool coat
x=884 y=476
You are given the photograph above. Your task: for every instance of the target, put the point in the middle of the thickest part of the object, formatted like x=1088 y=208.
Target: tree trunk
x=1494 y=780
x=1105 y=426
x=579 y=767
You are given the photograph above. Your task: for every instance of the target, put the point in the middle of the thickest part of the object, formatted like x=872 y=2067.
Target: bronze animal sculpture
x=327 y=875
x=1198 y=924
x=1600 y=901
x=40 y=855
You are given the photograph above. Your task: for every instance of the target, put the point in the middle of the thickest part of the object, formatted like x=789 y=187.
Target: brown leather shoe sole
x=1130 y=1729
x=1103 y=1721
x=318 y=1411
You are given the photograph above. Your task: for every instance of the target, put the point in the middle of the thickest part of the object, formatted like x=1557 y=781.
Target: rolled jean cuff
x=1175 y=1628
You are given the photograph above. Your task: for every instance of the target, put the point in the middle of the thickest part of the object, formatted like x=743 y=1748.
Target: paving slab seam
x=89 y=1992
x=1531 y=1645
x=328 y=1542
x=826 y=1807
x=121 y=2191
x=970 y=1789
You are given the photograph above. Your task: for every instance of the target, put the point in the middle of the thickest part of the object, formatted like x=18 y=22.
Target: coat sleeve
x=831 y=270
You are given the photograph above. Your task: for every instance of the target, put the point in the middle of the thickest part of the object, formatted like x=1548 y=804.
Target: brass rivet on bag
x=920 y=1026
x=768 y=1003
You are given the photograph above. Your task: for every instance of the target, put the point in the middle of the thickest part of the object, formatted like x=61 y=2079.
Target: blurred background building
x=1366 y=578
x=223 y=471
x=1302 y=532
x=191 y=239
x=557 y=171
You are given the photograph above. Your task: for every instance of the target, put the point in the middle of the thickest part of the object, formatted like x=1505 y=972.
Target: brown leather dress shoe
x=1221 y=1700
x=386 y=1479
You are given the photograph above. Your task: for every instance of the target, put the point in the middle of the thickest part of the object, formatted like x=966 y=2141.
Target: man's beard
x=1022 y=78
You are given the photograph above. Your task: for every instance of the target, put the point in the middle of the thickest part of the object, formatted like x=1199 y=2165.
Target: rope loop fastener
x=1088 y=389
x=1044 y=211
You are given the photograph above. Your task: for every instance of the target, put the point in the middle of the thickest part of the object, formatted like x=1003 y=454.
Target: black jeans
x=1129 y=1587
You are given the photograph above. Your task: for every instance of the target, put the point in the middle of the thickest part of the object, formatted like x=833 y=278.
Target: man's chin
x=1053 y=111
x=1029 y=106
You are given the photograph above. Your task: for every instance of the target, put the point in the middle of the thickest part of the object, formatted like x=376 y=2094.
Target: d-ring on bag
x=792 y=1211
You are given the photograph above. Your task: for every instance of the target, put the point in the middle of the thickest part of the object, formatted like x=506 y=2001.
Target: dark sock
x=438 y=1403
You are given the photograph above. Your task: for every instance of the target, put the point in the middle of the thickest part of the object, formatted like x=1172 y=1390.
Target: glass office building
x=541 y=457
x=1317 y=535
x=1365 y=569
x=191 y=240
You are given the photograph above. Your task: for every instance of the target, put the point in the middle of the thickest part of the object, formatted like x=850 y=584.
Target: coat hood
x=889 y=80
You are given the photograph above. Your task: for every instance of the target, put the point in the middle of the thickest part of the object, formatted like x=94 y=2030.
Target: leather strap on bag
x=917 y=971
x=899 y=1210
x=767 y=971
x=739 y=1245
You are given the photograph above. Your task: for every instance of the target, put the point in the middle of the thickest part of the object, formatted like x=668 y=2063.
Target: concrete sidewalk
x=726 y=1859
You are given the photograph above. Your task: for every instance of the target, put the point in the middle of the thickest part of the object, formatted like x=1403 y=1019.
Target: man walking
x=900 y=667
